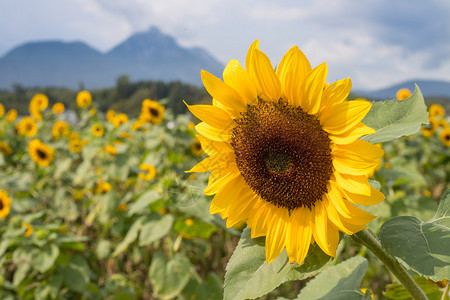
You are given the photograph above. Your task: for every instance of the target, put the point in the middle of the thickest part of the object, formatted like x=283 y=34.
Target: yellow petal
x=351 y=135
x=236 y=77
x=291 y=71
x=320 y=228
x=352 y=183
x=360 y=217
x=212 y=115
x=213 y=147
x=352 y=227
x=276 y=235
x=336 y=199
x=347 y=166
x=312 y=89
x=218 y=178
x=238 y=210
x=220 y=161
x=336 y=92
x=229 y=192
x=213 y=133
x=261 y=71
x=361 y=149
x=253 y=46
x=375 y=197
x=258 y=219
x=344 y=116
x=223 y=93
x=334 y=217
x=299 y=235
x=333 y=238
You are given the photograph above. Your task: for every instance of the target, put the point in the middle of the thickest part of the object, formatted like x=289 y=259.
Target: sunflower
x=58 y=108
x=123 y=207
x=84 y=99
x=119 y=120
x=150 y=172
x=38 y=103
x=60 y=129
x=196 y=148
x=92 y=111
x=444 y=136
x=436 y=110
x=5 y=204
x=28 y=229
x=110 y=149
x=284 y=153
x=430 y=129
x=102 y=187
x=110 y=114
x=403 y=94
x=76 y=145
x=5 y=149
x=41 y=153
x=152 y=112
x=137 y=125
x=98 y=130
x=27 y=127
x=2 y=110
x=74 y=136
x=11 y=115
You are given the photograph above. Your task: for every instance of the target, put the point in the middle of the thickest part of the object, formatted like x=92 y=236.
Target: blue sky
x=374 y=42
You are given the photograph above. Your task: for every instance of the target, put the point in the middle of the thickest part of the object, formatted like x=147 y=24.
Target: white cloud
x=376 y=43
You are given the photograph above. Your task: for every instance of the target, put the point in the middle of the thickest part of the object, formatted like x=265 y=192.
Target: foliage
x=102 y=231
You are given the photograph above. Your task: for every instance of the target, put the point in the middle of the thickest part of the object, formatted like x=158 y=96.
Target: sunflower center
x=154 y=112
x=283 y=154
x=277 y=162
x=41 y=154
x=1 y=204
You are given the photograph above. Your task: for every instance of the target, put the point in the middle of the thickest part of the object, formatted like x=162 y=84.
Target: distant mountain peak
x=146 y=55
x=428 y=87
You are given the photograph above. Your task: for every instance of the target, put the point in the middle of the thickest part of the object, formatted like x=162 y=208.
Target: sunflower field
x=100 y=205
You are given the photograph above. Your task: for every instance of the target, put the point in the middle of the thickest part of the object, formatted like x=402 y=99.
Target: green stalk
x=445 y=294
x=368 y=239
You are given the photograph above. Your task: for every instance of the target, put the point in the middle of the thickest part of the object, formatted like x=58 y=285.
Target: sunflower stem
x=369 y=239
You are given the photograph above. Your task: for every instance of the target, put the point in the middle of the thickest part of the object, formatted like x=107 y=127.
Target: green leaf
x=130 y=237
x=196 y=229
x=249 y=276
x=211 y=288
x=169 y=276
x=75 y=274
x=396 y=291
x=423 y=246
x=20 y=273
x=393 y=119
x=337 y=282
x=103 y=249
x=142 y=203
x=62 y=168
x=155 y=227
x=44 y=258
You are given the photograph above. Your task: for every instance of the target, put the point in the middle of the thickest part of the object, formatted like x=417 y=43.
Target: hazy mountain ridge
x=429 y=88
x=149 y=55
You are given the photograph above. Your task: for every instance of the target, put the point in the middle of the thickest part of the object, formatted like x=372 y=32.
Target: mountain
x=149 y=55
x=429 y=88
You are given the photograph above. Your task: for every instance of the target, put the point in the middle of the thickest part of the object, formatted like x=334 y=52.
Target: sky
x=377 y=43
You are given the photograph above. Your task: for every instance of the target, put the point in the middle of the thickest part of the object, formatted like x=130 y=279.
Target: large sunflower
x=285 y=153
x=41 y=153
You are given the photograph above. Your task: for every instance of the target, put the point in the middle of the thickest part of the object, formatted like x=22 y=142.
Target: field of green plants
x=97 y=205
